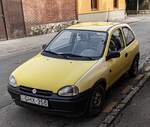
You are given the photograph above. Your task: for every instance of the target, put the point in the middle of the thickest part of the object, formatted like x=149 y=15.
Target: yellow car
x=72 y=73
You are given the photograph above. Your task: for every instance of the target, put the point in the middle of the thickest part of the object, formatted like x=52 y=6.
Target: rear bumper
x=66 y=106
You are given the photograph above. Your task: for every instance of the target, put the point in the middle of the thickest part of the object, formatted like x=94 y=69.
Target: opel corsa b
x=72 y=73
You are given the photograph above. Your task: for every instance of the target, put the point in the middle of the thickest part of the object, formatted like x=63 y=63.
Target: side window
x=129 y=36
x=117 y=41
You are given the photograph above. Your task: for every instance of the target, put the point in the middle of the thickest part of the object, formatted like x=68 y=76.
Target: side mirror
x=44 y=46
x=113 y=54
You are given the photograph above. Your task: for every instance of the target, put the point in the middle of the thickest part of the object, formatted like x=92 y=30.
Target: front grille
x=39 y=92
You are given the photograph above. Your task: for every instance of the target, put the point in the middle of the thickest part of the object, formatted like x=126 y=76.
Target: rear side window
x=129 y=36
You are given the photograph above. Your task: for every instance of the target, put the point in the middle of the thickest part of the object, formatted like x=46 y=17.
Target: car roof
x=95 y=26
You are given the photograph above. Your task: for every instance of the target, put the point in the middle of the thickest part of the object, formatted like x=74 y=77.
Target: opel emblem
x=34 y=91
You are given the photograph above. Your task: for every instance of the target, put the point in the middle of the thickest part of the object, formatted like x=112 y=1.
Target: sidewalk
x=137 y=114
x=133 y=19
x=10 y=47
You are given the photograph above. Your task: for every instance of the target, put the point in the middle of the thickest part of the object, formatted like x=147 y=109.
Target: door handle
x=126 y=55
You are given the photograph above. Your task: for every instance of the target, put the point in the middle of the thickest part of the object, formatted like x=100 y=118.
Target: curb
x=111 y=117
x=133 y=22
x=123 y=103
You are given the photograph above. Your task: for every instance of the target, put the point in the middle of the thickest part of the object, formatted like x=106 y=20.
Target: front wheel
x=134 y=68
x=96 y=101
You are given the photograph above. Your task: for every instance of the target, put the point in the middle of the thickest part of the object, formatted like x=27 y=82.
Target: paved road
x=11 y=115
x=7 y=65
x=142 y=30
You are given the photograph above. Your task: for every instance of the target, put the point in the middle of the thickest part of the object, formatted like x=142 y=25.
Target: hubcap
x=97 y=100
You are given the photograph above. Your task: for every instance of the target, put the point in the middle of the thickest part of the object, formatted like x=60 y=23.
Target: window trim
x=127 y=44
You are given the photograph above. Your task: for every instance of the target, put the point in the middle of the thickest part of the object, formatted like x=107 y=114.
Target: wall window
x=94 y=4
x=116 y=3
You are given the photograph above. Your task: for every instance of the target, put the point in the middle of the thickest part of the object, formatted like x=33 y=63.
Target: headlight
x=68 y=91
x=12 y=81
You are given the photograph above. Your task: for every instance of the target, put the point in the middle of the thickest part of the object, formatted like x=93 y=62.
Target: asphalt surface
x=14 y=116
x=137 y=114
x=142 y=31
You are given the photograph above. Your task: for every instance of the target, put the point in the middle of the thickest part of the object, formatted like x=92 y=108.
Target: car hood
x=51 y=74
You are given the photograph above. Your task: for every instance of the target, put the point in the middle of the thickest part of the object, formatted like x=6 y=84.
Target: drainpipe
x=24 y=24
x=107 y=15
x=76 y=10
x=138 y=2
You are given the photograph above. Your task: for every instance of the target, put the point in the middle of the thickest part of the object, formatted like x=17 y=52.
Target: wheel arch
x=135 y=57
x=101 y=82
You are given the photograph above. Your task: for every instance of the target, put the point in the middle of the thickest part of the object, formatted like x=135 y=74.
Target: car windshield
x=78 y=44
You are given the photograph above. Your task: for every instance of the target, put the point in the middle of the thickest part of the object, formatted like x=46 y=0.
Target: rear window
x=129 y=36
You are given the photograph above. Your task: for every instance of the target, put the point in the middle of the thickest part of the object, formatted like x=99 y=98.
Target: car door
x=116 y=65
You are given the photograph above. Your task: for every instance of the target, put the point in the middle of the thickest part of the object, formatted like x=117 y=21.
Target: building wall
x=48 y=11
x=104 y=7
x=84 y=6
x=13 y=16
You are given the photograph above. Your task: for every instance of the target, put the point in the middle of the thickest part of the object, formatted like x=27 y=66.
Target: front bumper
x=68 y=106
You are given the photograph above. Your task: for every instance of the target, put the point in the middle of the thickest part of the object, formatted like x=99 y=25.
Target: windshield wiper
x=68 y=55
x=51 y=52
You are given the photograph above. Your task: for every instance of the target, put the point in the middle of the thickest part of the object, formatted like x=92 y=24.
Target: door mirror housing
x=44 y=46
x=113 y=54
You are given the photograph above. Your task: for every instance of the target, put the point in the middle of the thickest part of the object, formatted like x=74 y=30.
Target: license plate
x=34 y=100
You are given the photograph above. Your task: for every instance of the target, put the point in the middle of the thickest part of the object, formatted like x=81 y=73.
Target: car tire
x=96 y=101
x=134 y=68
